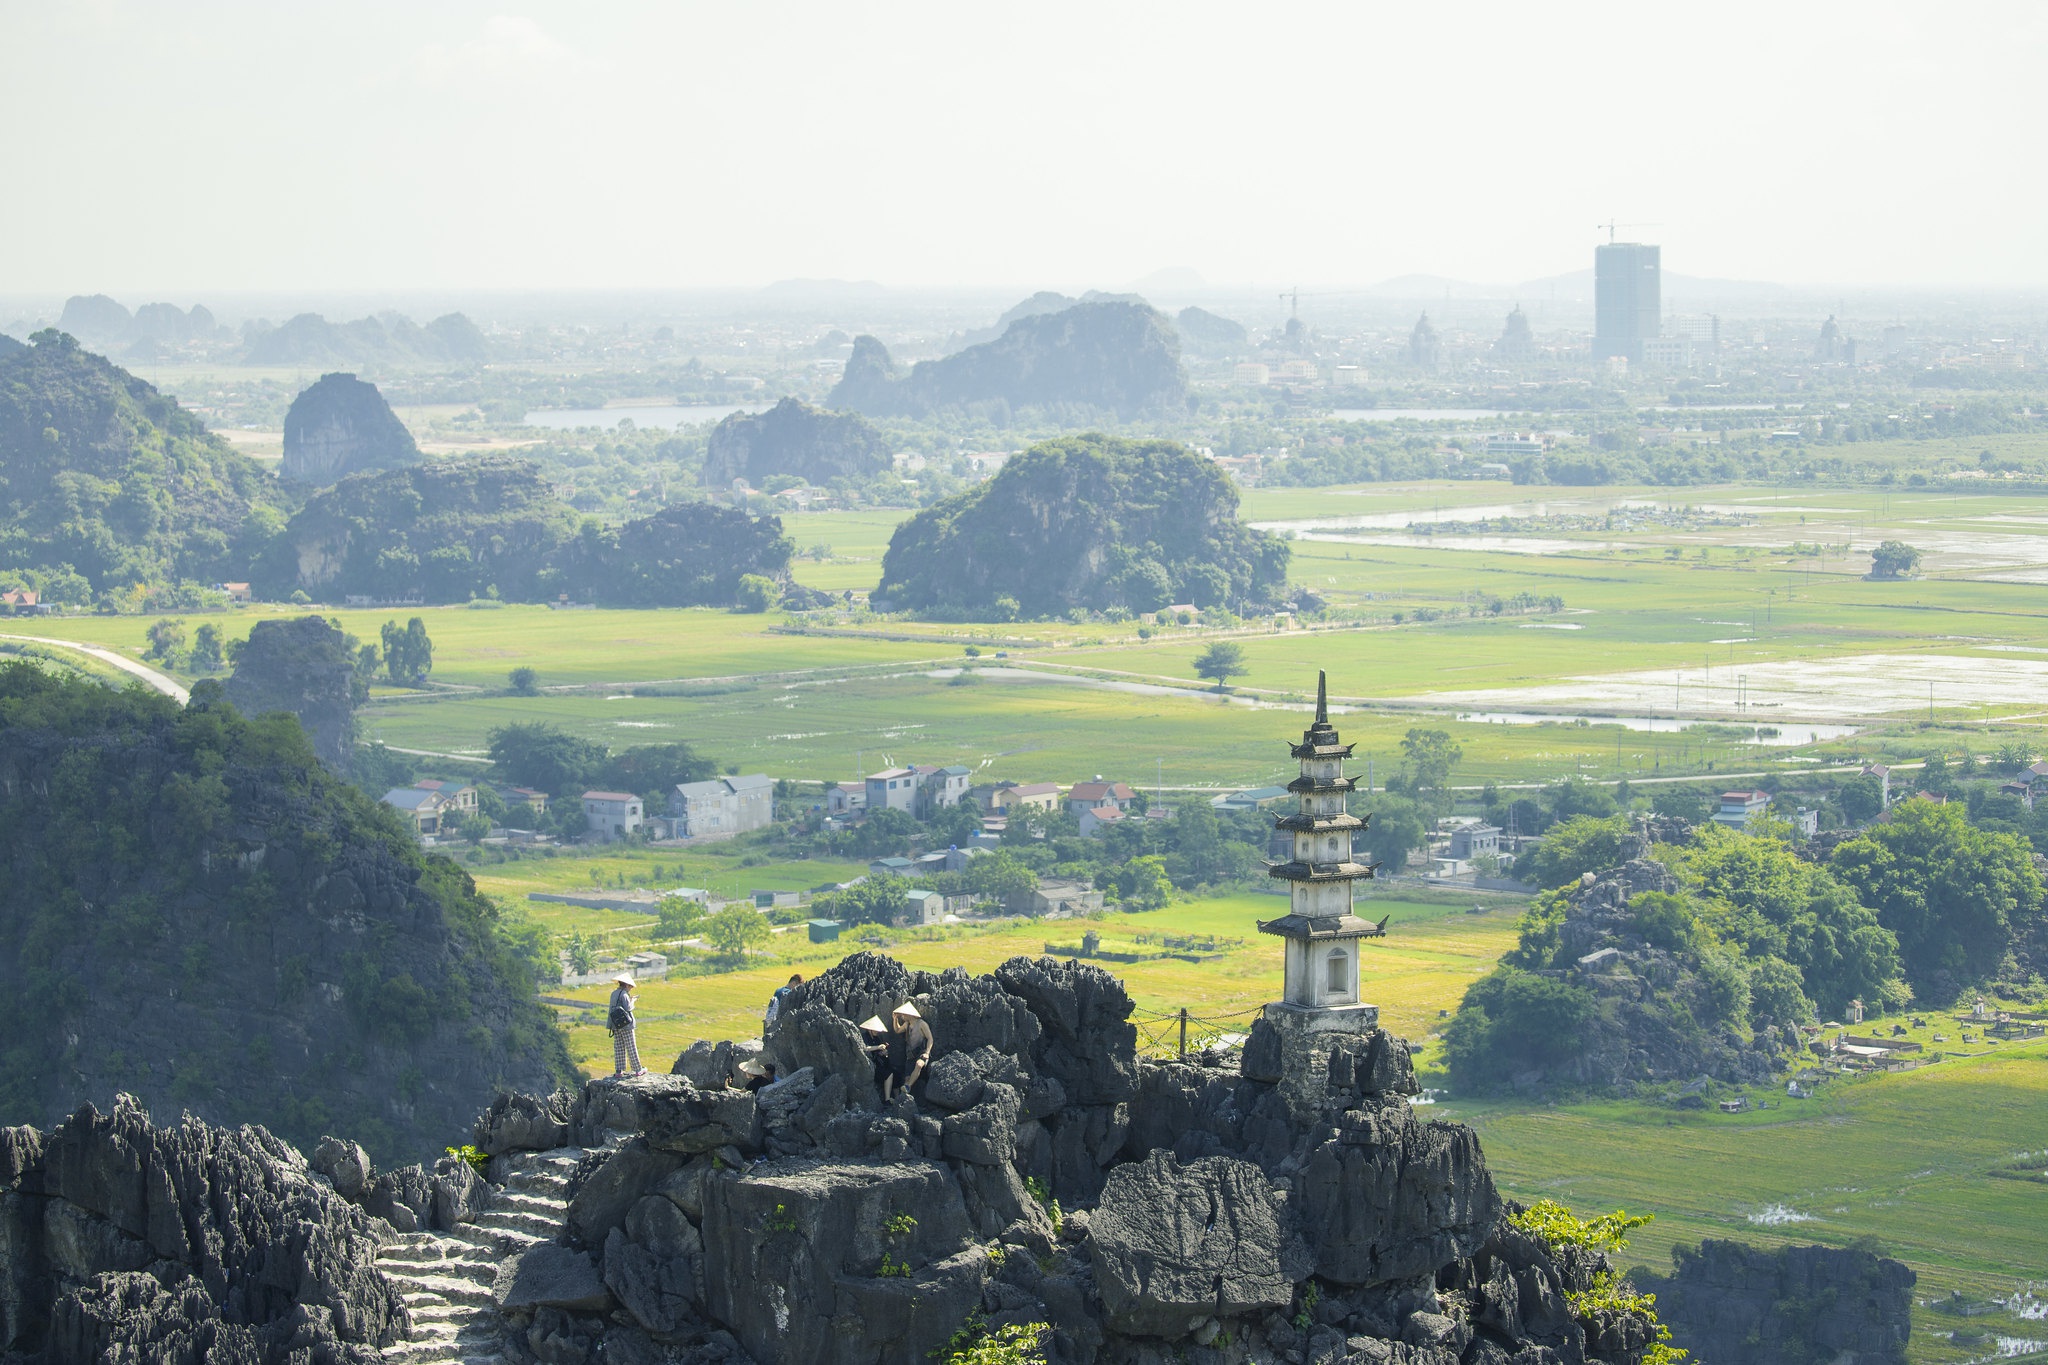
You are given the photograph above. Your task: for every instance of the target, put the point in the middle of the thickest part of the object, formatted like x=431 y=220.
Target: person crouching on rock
x=875 y=1042
x=758 y=1074
x=625 y=1050
x=910 y=1047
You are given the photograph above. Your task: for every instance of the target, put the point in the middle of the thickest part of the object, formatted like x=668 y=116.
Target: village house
x=20 y=601
x=940 y=788
x=1026 y=796
x=1086 y=796
x=1056 y=897
x=845 y=798
x=891 y=867
x=1883 y=774
x=921 y=908
x=892 y=789
x=612 y=815
x=1474 y=841
x=1739 y=808
x=533 y=800
x=1096 y=819
x=434 y=807
x=723 y=806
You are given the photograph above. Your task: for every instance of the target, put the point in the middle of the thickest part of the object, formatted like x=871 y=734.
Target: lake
x=667 y=416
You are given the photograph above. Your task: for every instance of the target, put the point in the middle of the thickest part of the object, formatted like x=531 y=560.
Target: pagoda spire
x=1322 y=697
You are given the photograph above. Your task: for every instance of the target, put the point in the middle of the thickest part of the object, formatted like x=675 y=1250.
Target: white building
x=722 y=807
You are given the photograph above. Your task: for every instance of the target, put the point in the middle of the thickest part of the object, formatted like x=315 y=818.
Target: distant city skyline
x=231 y=146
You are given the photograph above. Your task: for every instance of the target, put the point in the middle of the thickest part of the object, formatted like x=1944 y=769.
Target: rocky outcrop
x=1211 y=334
x=342 y=426
x=796 y=439
x=1736 y=1304
x=126 y=1241
x=302 y=666
x=1043 y=1174
x=1109 y=357
x=1090 y=522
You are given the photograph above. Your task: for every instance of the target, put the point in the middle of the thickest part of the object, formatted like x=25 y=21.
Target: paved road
x=162 y=682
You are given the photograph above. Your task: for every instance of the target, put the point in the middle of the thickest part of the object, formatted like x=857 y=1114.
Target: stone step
x=452 y=1290
x=501 y=1241
x=519 y=1220
x=524 y=1202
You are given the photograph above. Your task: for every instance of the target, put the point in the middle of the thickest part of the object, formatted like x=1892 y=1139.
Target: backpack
x=621 y=1018
x=774 y=1007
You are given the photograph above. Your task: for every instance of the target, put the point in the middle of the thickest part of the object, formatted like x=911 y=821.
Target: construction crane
x=1611 y=225
x=1294 y=297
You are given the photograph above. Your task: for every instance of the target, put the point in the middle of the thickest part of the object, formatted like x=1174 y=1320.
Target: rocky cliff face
x=342 y=426
x=793 y=438
x=1103 y=357
x=201 y=915
x=301 y=666
x=1741 y=1305
x=193 y=1245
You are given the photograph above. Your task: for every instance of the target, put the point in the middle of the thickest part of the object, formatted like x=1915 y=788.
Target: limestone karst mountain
x=796 y=439
x=341 y=426
x=1109 y=356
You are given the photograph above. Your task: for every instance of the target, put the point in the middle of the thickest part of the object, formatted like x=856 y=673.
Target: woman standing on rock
x=625 y=1050
x=910 y=1047
x=875 y=1042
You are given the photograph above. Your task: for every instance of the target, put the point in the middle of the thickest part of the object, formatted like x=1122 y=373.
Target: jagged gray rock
x=1744 y=1305
x=1175 y=1245
x=550 y=1276
x=249 y=1258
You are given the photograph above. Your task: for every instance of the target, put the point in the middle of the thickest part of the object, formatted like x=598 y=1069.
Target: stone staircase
x=445 y=1277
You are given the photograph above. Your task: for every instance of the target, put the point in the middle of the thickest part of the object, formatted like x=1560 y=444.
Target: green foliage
x=541 y=756
x=130 y=879
x=408 y=653
x=781 y=1220
x=899 y=1225
x=1957 y=898
x=1861 y=798
x=877 y=900
x=166 y=640
x=1012 y=1344
x=1560 y=1230
x=1429 y=757
x=524 y=681
x=1142 y=883
x=1397 y=827
x=737 y=928
x=1221 y=662
x=582 y=956
x=1090 y=522
x=1893 y=559
x=1664 y=920
x=1511 y=1021
x=1036 y=1188
x=1758 y=895
x=112 y=484
x=477 y=1158
x=1572 y=848
x=207 y=650
x=755 y=593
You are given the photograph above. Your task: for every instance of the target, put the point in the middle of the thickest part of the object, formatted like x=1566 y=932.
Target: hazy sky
x=177 y=149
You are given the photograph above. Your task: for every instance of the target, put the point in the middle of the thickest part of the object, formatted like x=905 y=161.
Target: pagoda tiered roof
x=1300 y=823
x=1334 y=784
x=1298 y=871
x=1323 y=926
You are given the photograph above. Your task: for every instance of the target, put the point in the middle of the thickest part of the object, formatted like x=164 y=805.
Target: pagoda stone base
x=1295 y=1054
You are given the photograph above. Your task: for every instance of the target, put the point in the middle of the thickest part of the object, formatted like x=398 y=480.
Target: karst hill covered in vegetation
x=793 y=438
x=199 y=914
x=1106 y=357
x=1091 y=521
x=342 y=426
x=104 y=482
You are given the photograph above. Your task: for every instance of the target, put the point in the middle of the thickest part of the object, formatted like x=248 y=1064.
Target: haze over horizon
x=467 y=146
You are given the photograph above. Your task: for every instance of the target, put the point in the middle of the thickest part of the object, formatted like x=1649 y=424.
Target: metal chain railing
x=1174 y=1034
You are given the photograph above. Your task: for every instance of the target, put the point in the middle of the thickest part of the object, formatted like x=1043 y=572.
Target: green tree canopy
x=1221 y=662
x=737 y=928
x=1510 y=1021
x=1958 y=898
x=1893 y=559
x=535 y=754
x=1396 y=828
x=1571 y=848
x=408 y=653
x=1429 y=757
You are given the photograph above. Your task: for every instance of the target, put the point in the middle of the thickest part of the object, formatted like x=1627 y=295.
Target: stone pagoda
x=1323 y=936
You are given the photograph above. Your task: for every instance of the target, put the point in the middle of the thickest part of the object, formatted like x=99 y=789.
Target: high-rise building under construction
x=1626 y=289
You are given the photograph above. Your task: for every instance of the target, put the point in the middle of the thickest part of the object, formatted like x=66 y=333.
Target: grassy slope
x=1906 y=1159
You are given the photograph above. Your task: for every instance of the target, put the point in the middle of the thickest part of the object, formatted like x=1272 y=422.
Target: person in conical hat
x=875 y=1042
x=619 y=1019
x=910 y=1048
